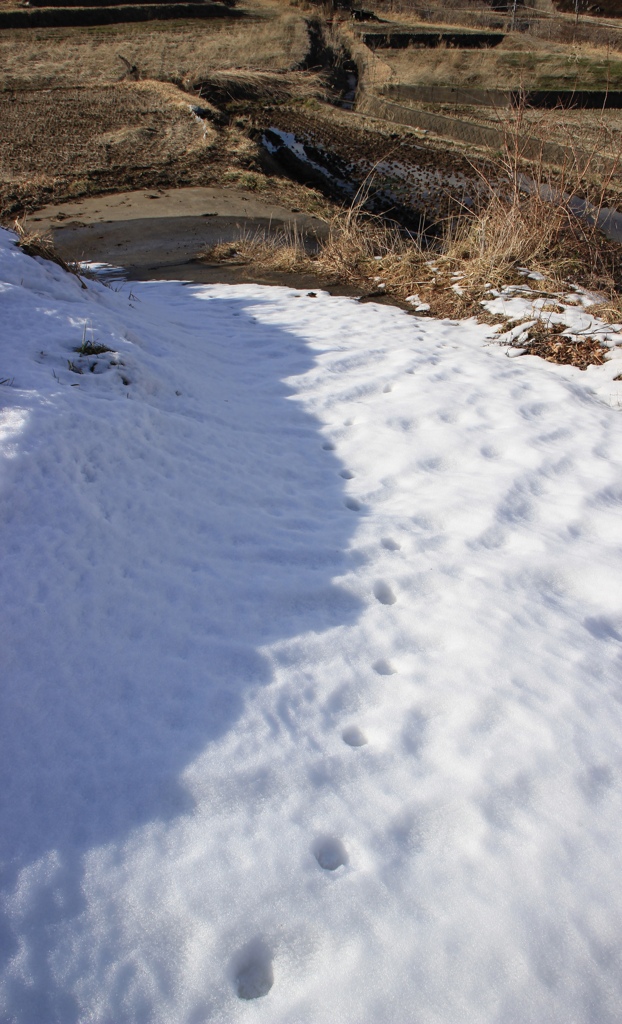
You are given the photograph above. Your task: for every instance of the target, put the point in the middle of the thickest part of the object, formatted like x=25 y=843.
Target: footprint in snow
x=387 y=389
x=347 y=474
x=354 y=736
x=383 y=593
x=329 y=446
x=384 y=667
x=489 y=451
x=330 y=853
x=390 y=544
x=254 y=975
x=353 y=504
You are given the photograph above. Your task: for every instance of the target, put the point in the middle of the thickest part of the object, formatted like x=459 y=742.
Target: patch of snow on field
x=571 y=312
x=311 y=705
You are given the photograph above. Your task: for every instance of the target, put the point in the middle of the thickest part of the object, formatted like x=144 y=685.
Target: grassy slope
x=509 y=67
x=273 y=38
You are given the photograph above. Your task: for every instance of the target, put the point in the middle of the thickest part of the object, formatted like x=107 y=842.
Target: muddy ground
x=147 y=230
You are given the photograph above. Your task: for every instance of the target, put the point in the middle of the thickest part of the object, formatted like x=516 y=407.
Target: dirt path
x=149 y=229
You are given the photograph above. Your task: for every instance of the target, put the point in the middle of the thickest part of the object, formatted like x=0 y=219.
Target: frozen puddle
x=310 y=707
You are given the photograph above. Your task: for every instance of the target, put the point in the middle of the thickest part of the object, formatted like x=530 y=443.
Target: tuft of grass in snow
x=610 y=312
x=89 y=346
x=34 y=244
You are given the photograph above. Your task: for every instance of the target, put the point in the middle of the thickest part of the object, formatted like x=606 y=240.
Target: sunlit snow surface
x=311 y=664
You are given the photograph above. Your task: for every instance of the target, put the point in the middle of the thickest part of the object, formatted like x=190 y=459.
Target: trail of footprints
x=254 y=972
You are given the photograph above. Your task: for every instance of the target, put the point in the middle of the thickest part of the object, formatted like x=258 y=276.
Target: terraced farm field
x=514 y=64
x=96 y=138
x=114 y=127
x=97 y=109
x=167 y=51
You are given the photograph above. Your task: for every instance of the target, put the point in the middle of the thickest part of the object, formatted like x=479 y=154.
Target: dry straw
x=35 y=244
x=524 y=216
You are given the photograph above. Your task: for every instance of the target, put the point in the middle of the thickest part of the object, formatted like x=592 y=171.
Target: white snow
x=311 y=705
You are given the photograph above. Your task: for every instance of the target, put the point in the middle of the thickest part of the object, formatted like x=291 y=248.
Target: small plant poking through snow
x=91 y=347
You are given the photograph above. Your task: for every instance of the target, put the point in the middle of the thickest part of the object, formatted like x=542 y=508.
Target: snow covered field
x=311 y=697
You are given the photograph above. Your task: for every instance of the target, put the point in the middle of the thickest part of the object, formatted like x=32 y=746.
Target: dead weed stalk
x=34 y=244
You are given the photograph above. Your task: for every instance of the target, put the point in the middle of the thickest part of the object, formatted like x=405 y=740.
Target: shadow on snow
x=190 y=536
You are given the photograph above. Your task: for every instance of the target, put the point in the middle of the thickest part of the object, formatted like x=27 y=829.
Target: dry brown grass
x=166 y=51
x=357 y=250
x=596 y=129
x=485 y=248
x=130 y=123
x=555 y=27
x=548 y=343
x=518 y=230
x=610 y=312
x=509 y=66
x=246 y=89
x=453 y=273
x=42 y=246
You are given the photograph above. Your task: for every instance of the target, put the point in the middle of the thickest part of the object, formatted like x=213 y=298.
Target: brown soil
x=63 y=141
x=163 y=228
x=425 y=175
x=113 y=127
